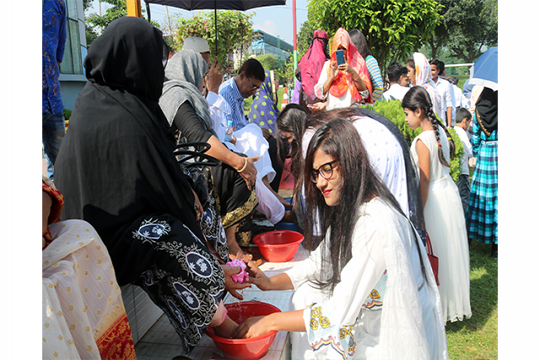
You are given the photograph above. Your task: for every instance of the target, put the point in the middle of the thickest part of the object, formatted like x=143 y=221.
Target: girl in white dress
x=367 y=291
x=443 y=213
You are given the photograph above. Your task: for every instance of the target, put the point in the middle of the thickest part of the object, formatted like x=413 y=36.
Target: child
x=463 y=120
x=443 y=213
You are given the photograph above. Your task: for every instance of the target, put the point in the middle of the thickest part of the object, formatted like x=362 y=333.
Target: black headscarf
x=486 y=110
x=116 y=162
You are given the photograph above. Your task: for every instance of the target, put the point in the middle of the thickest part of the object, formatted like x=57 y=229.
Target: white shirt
x=443 y=89
x=467 y=150
x=396 y=92
x=218 y=109
x=461 y=100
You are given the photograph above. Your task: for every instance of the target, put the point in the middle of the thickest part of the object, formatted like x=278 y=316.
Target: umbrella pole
x=215 y=21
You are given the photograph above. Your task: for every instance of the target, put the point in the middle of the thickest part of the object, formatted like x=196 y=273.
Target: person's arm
x=46 y=211
x=424 y=165
x=358 y=278
x=449 y=104
x=278 y=282
x=376 y=78
x=358 y=82
x=188 y=122
x=279 y=321
x=327 y=80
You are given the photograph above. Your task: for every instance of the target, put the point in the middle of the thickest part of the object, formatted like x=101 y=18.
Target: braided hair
x=418 y=98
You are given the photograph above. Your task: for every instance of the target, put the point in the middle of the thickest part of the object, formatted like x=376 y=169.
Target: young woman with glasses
x=367 y=291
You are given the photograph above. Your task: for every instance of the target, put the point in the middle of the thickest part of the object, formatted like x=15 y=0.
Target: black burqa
x=116 y=162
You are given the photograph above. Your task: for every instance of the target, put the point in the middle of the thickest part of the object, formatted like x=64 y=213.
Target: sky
x=275 y=20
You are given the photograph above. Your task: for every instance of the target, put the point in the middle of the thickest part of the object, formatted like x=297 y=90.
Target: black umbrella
x=241 y=5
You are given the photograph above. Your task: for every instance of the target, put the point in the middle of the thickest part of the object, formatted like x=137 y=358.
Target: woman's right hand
x=334 y=71
x=258 y=277
x=250 y=172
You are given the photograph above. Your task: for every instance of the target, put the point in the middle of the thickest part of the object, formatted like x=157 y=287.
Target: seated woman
x=187 y=111
x=391 y=161
x=83 y=312
x=117 y=170
x=345 y=84
x=368 y=291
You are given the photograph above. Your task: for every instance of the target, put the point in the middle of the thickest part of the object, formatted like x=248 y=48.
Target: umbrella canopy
x=485 y=70
x=241 y=5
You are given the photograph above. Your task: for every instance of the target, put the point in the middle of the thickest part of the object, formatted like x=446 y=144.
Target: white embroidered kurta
x=409 y=326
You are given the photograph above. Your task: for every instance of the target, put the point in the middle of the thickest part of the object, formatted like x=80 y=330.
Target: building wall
x=72 y=75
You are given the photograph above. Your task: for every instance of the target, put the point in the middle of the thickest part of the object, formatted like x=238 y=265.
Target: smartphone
x=339 y=57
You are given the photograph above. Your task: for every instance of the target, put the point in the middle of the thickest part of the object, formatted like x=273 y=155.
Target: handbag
x=433 y=260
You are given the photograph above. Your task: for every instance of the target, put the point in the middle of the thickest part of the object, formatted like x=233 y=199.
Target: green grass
x=477 y=337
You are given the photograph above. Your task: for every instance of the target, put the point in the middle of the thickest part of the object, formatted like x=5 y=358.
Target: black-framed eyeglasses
x=253 y=87
x=326 y=171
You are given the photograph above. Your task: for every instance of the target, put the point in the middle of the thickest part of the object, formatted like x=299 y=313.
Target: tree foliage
x=268 y=61
x=95 y=24
x=467 y=28
x=394 y=112
x=234 y=29
x=393 y=28
x=305 y=36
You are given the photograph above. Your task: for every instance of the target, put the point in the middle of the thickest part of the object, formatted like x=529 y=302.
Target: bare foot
x=226 y=329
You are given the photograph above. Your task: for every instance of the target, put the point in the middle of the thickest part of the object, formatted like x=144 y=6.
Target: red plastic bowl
x=245 y=349
x=279 y=245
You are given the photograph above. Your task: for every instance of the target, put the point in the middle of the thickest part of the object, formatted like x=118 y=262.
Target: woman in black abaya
x=117 y=171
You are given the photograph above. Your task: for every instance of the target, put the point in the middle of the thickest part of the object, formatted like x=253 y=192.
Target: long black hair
x=294 y=120
x=418 y=98
x=339 y=139
x=360 y=42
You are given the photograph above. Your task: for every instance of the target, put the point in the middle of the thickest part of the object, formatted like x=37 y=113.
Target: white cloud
x=269 y=26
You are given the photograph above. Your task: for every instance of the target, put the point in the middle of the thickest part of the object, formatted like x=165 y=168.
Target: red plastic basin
x=245 y=349
x=279 y=245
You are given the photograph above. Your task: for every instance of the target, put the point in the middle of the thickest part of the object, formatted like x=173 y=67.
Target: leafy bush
x=268 y=61
x=393 y=111
x=67 y=114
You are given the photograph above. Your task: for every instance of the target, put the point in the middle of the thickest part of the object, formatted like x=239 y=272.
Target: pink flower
x=204 y=21
x=242 y=276
x=205 y=28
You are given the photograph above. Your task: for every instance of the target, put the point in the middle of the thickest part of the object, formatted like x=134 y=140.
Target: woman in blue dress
x=482 y=214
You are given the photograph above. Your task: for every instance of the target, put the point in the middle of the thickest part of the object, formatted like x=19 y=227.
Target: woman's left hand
x=253 y=327
x=346 y=67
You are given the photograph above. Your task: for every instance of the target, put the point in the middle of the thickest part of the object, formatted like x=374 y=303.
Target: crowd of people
x=158 y=196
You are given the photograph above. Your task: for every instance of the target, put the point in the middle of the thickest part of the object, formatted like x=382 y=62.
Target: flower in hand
x=242 y=276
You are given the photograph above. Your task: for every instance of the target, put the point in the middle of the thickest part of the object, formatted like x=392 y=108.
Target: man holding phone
x=344 y=79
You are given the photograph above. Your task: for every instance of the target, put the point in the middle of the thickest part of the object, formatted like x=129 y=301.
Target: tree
x=90 y=32
x=94 y=22
x=268 y=61
x=305 y=36
x=393 y=28
x=467 y=27
x=234 y=29
x=475 y=27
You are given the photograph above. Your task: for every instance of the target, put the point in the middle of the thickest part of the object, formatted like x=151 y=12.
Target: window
x=72 y=62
